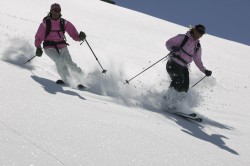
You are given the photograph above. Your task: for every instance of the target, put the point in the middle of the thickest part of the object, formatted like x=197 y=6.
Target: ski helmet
x=200 y=28
x=55 y=6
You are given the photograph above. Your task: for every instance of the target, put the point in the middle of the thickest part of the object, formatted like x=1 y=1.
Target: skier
x=51 y=33
x=185 y=48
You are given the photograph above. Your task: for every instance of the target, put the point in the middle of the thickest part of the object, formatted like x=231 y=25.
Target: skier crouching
x=185 y=48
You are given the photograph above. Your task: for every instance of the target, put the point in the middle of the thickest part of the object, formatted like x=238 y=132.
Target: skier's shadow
x=52 y=88
x=195 y=129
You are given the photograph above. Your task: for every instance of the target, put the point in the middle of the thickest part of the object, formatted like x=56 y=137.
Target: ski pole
x=103 y=71
x=198 y=81
x=127 y=81
x=29 y=59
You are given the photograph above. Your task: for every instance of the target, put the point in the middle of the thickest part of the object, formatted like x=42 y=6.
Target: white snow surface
x=112 y=123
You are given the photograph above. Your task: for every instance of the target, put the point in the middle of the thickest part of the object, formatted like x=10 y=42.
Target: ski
x=191 y=116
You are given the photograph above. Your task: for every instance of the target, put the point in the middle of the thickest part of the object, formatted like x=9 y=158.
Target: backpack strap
x=198 y=46
x=54 y=44
x=48 y=27
x=62 y=25
x=184 y=41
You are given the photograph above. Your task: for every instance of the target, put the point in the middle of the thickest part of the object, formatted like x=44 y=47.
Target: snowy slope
x=111 y=123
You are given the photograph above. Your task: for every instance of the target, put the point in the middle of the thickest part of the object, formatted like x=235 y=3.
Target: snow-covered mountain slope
x=112 y=123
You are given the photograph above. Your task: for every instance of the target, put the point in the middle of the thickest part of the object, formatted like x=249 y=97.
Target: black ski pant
x=179 y=76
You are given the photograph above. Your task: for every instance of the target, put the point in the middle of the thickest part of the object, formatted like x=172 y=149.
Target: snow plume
x=17 y=51
x=168 y=100
x=136 y=93
x=111 y=84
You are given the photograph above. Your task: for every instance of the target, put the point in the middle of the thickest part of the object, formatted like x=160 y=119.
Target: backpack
x=184 y=41
x=48 y=30
x=48 y=26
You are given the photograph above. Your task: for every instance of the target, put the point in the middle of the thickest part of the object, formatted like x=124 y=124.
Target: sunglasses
x=56 y=10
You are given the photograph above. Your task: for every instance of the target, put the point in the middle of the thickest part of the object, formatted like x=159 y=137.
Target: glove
x=208 y=73
x=82 y=35
x=175 y=49
x=39 y=51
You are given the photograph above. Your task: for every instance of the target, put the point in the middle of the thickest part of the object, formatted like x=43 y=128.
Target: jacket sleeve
x=71 y=30
x=40 y=35
x=174 y=41
x=198 y=61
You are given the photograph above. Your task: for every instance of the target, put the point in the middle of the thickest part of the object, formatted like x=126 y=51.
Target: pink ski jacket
x=54 y=36
x=189 y=47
